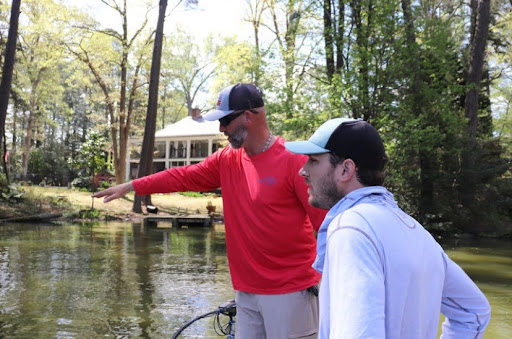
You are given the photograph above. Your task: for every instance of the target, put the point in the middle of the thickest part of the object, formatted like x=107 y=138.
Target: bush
x=3 y=184
x=82 y=183
x=105 y=184
x=49 y=164
x=12 y=194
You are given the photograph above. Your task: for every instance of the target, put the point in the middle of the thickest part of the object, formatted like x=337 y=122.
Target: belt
x=313 y=289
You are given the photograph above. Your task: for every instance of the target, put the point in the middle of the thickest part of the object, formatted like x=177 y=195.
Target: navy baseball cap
x=235 y=98
x=348 y=138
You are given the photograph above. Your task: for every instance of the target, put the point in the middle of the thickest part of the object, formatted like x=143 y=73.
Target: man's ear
x=248 y=117
x=345 y=170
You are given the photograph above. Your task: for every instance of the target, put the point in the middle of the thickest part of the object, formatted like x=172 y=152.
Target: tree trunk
x=329 y=40
x=478 y=43
x=7 y=70
x=362 y=32
x=334 y=30
x=426 y=196
x=124 y=130
x=256 y=11
x=5 y=159
x=476 y=66
x=148 y=143
x=340 y=31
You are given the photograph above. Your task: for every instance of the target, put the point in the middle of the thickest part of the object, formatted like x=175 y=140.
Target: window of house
x=177 y=163
x=178 y=149
x=199 y=149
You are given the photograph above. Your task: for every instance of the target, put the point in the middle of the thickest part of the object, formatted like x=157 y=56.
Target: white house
x=185 y=142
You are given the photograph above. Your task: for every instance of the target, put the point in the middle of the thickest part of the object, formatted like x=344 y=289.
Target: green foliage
x=91 y=156
x=492 y=211
x=89 y=214
x=186 y=68
x=3 y=183
x=501 y=54
x=48 y=165
x=105 y=184
x=192 y=194
x=82 y=183
x=11 y=194
x=236 y=62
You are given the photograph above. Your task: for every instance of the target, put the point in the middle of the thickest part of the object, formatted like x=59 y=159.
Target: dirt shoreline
x=79 y=206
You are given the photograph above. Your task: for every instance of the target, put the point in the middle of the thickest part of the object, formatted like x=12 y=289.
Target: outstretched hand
x=114 y=192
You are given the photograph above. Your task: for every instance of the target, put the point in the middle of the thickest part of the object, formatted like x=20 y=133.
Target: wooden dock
x=177 y=221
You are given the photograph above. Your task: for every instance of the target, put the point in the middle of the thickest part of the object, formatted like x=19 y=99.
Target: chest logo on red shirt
x=269 y=181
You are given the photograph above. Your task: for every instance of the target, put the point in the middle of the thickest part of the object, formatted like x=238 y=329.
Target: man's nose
x=302 y=172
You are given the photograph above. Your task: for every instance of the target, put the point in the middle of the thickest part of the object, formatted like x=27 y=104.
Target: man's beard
x=237 y=138
x=325 y=195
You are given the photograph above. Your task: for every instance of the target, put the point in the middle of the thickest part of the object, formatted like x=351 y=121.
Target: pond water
x=122 y=280
x=489 y=263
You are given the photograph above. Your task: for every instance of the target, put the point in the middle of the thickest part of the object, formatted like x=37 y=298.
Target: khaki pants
x=278 y=316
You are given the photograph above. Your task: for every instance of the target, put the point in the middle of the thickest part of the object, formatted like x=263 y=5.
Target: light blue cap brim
x=304 y=147
x=316 y=144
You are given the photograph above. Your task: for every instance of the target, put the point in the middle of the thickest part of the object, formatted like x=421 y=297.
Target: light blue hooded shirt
x=384 y=276
x=365 y=194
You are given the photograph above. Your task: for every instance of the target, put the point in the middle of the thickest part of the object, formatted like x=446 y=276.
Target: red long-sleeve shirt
x=269 y=236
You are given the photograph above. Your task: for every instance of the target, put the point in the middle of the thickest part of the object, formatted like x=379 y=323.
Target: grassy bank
x=74 y=204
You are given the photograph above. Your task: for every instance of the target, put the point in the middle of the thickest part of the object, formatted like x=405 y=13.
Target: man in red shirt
x=269 y=223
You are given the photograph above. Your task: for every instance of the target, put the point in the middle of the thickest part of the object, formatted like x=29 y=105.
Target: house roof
x=189 y=127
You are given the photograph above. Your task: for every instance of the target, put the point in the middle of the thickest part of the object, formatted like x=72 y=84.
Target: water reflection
x=489 y=263
x=122 y=280
x=118 y=280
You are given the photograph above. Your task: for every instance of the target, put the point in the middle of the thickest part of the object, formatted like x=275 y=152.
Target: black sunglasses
x=225 y=121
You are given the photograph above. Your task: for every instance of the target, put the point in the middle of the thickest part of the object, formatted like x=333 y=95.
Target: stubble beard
x=237 y=138
x=325 y=194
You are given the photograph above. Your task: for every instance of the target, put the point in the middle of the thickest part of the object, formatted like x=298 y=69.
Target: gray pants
x=277 y=316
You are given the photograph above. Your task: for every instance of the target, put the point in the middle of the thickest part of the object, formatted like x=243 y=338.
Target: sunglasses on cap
x=225 y=121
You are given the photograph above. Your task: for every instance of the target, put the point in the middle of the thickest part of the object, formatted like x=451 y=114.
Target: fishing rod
x=227 y=309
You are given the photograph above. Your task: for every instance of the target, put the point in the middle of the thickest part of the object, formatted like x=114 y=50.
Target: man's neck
x=262 y=145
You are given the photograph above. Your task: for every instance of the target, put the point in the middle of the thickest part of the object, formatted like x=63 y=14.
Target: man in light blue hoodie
x=383 y=275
